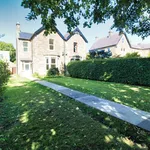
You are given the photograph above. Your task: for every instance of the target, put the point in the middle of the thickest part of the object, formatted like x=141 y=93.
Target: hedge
x=4 y=76
x=129 y=71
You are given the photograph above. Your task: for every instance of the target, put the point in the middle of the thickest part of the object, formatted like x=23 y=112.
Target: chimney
x=110 y=33
x=17 y=29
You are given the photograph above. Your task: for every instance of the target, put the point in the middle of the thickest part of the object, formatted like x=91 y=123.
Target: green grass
x=134 y=96
x=34 y=117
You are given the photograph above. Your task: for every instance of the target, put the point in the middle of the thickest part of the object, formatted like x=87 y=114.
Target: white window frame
x=25 y=46
x=51 y=44
x=49 y=62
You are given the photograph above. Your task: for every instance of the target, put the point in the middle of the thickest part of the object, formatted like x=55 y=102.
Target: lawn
x=37 y=118
x=134 y=96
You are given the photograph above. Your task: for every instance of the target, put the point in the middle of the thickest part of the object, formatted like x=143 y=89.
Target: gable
x=76 y=31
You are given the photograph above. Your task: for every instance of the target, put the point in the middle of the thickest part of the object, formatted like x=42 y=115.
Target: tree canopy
x=132 y=16
x=8 y=47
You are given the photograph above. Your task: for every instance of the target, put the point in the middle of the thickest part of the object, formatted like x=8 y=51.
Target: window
x=50 y=62
x=47 y=63
x=53 y=62
x=51 y=44
x=75 y=47
x=122 y=40
x=25 y=46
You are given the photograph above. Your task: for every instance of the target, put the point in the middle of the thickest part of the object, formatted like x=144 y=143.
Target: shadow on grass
x=33 y=117
x=133 y=96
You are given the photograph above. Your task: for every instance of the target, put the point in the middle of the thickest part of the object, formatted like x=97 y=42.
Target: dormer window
x=51 y=44
x=75 y=47
x=25 y=46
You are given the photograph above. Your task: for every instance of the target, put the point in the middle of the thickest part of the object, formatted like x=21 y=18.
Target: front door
x=27 y=67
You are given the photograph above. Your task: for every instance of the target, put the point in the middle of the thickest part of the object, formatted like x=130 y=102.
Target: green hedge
x=130 y=71
x=4 y=76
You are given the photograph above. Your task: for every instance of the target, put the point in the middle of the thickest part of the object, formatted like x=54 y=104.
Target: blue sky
x=12 y=12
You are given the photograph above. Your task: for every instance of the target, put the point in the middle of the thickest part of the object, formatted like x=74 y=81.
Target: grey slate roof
x=141 y=46
x=106 y=41
x=113 y=40
x=25 y=36
x=29 y=36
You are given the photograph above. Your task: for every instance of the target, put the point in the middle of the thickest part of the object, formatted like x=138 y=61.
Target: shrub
x=53 y=72
x=130 y=71
x=132 y=55
x=4 y=76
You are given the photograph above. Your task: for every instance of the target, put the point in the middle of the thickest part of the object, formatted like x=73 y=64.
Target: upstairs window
x=25 y=46
x=75 y=45
x=51 y=44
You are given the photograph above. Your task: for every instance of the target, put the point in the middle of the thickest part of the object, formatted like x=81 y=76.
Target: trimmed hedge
x=130 y=71
x=4 y=76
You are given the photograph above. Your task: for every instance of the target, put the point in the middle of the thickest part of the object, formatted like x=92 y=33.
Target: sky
x=12 y=12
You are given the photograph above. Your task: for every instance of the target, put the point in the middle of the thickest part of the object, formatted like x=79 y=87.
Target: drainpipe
x=65 y=58
x=17 y=42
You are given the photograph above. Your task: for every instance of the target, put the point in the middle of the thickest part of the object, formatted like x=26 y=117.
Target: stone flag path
x=134 y=116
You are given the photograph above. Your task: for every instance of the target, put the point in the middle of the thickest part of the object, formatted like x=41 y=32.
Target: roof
x=107 y=41
x=67 y=36
x=30 y=36
x=141 y=46
x=113 y=41
x=25 y=36
x=42 y=28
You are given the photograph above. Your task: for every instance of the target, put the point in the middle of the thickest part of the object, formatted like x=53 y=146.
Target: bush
x=53 y=72
x=130 y=71
x=4 y=76
x=132 y=55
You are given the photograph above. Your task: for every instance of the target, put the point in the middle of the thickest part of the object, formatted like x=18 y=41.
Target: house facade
x=36 y=53
x=119 y=45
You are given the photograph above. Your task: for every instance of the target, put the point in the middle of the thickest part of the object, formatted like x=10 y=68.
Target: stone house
x=119 y=45
x=36 y=53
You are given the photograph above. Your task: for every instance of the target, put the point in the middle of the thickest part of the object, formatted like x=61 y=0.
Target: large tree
x=133 y=16
x=8 y=47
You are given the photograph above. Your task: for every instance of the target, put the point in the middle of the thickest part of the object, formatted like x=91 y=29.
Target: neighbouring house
x=119 y=45
x=36 y=53
x=4 y=55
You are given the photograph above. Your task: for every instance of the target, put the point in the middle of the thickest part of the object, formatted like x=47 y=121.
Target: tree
x=132 y=55
x=8 y=47
x=100 y=54
x=133 y=16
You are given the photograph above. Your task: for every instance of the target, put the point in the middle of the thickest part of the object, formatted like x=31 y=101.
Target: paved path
x=131 y=115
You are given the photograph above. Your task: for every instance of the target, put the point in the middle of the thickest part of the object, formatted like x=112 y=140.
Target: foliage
x=130 y=71
x=100 y=54
x=132 y=16
x=34 y=117
x=130 y=95
x=132 y=55
x=8 y=47
x=53 y=72
x=4 y=76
